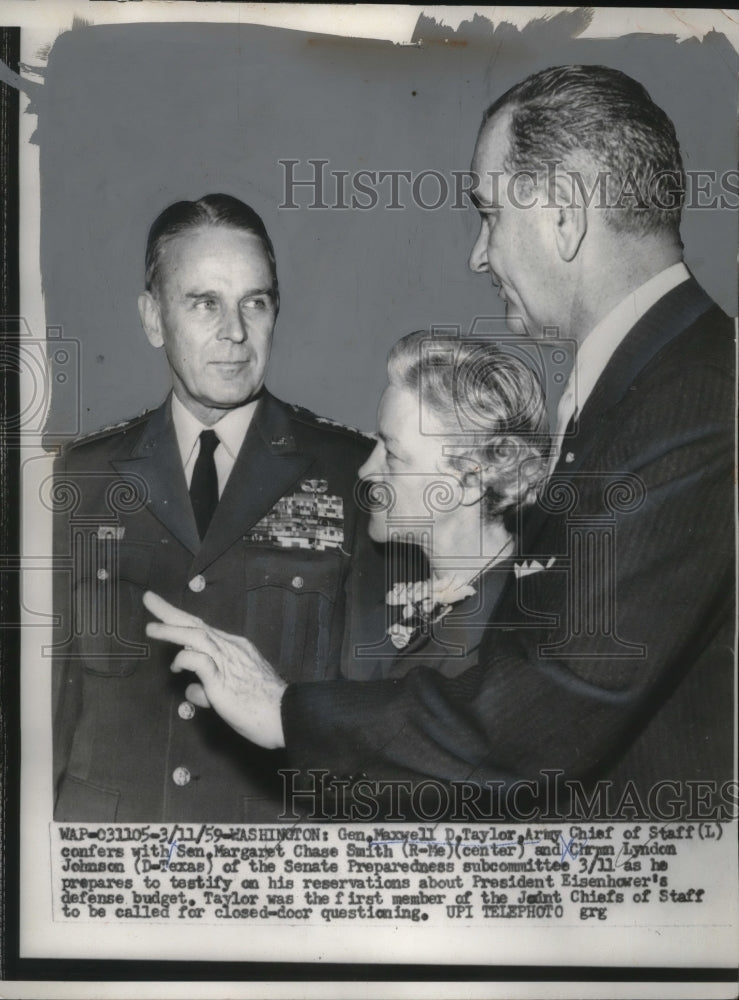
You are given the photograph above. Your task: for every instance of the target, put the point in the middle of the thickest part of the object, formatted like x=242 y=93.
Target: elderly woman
x=462 y=447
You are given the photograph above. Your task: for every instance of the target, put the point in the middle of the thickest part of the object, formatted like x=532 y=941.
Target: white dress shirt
x=601 y=343
x=231 y=430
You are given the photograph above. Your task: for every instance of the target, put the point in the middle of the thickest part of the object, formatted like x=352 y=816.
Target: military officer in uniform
x=227 y=501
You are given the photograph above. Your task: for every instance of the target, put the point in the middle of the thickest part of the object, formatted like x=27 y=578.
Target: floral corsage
x=422 y=606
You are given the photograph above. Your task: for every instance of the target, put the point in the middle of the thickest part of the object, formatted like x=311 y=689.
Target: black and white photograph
x=369 y=547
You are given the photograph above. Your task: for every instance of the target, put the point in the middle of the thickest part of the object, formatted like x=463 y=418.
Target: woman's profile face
x=409 y=459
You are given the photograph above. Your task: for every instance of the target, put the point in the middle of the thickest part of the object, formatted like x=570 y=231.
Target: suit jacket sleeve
x=517 y=711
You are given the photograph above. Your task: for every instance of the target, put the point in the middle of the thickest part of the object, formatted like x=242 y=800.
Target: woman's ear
x=473 y=480
x=151 y=319
x=532 y=473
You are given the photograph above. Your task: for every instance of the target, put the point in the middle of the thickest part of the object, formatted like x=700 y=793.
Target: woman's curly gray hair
x=491 y=404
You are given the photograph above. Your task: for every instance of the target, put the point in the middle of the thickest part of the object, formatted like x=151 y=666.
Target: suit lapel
x=669 y=317
x=267 y=466
x=156 y=458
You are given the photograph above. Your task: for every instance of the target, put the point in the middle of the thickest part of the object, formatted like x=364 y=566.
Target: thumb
x=199 y=663
x=196 y=694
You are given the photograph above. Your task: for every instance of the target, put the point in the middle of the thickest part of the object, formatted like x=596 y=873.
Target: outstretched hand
x=235 y=679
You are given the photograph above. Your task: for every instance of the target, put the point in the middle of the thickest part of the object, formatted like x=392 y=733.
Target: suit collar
x=666 y=320
x=231 y=428
x=604 y=339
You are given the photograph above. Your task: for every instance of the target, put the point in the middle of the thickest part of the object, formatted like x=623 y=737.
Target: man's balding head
x=579 y=183
x=591 y=121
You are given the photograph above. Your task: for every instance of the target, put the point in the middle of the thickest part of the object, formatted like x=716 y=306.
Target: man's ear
x=151 y=319
x=571 y=219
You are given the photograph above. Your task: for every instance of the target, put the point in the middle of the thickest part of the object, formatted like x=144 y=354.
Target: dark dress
x=448 y=646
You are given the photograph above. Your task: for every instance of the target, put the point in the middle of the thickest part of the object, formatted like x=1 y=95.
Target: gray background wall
x=134 y=117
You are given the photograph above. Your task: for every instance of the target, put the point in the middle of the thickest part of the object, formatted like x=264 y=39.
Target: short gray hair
x=211 y=210
x=490 y=401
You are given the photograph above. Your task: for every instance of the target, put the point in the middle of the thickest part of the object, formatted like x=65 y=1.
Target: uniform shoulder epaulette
x=308 y=417
x=108 y=431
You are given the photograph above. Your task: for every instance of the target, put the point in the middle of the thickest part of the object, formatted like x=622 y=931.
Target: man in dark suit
x=613 y=664
x=232 y=503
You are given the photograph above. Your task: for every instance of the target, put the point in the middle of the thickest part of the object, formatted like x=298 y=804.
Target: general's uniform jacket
x=273 y=566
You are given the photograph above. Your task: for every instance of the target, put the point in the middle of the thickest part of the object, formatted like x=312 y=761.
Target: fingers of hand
x=195 y=637
x=168 y=612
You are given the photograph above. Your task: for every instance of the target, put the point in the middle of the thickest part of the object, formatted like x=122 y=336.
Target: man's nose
x=233 y=327
x=478 y=261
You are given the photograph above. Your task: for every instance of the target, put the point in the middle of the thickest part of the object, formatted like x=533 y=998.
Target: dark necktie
x=204 y=482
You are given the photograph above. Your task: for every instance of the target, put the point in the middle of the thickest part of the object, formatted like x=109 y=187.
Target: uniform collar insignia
x=314 y=485
x=282 y=442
